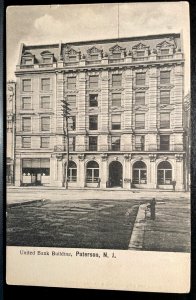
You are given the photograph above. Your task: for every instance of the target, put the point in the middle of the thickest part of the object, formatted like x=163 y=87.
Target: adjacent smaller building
x=10 y=101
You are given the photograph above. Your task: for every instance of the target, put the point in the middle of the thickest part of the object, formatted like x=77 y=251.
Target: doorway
x=115 y=174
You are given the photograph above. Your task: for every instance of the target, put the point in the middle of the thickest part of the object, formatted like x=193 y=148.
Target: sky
x=68 y=23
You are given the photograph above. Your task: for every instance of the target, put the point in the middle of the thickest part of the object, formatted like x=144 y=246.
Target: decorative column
x=81 y=171
x=81 y=123
x=152 y=178
x=104 y=171
x=126 y=139
x=127 y=172
x=151 y=97
x=179 y=173
x=18 y=171
x=104 y=112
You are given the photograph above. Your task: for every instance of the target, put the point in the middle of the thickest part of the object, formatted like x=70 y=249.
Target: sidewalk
x=170 y=231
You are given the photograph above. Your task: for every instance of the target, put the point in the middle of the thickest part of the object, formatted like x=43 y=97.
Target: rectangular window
x=116 y=80
x=45 y=142
x=26 y=85
x=116 y=55
x=45 y=102
x=73 y=58
x=94 y=56
x=116 y=122
x=140 y=78
x=47 y=60
x=72 y=123
x=93 y=81
x=115 y=143
x=116 y=99
x=71 y=83
x=140 y=98
x=164 y=97
x=45 y=123
x=72 y=143
x=71 y=99
x=93 y=100
x=164 y=51
x=26 y=102
x=164 y=77
x=140 y=53
x=139 y=121
x=165 y=120
x=93 y=122
x=139 y=142
x=26 y=142
x=92 y=143
x=45 y=84
x=164 y=142
x=27 y=61
x=26 y=124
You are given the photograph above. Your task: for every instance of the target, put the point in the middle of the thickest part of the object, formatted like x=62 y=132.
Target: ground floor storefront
x=104 y=170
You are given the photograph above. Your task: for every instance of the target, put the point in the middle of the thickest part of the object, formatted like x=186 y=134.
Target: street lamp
x=66 y=111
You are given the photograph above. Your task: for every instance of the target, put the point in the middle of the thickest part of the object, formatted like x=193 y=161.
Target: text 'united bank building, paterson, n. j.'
x=126 y=120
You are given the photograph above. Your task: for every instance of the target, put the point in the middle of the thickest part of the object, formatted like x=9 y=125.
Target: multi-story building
x=10 y=104
x=126 y=119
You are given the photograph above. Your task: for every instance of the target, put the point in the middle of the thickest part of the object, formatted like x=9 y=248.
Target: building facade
x=126 y=118
x=10 y=126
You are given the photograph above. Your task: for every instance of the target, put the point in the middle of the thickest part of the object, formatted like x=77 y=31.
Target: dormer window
x=27 y=58
x=140 y=53
x=116 y=55
x=94 y=56
x=72 y=58
x=164 y=51
x=47 y=57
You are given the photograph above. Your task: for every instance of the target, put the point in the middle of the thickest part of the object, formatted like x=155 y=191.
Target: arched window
x=164 y=173
x=139 y=173
x=72 y=171
x=92 y=172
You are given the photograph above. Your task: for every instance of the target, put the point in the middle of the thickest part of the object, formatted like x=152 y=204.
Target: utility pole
x=66 y=111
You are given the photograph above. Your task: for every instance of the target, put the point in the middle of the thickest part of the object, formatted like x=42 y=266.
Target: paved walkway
x=170 y=231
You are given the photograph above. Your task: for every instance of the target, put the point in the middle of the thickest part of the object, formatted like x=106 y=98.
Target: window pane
x=45 y=142
x=26 y=102
x=26 y=142
x=164 y=77
x=116 y=121
x=115 y=143
x=45 y=102
x=116 y=80
x=140 y=78
x=93 y=143
x=164 y=120
x=164 y=97
x=140 y=121
x=71 y=99
x=72 y=123
x=139 y=142
x=140 y=98
x=116 y=55
x=135 y=176
x=26 y=85
x=164 y=142
x=164 y=51
x=140 y=53
x=71 y=83
x=93 y=81
x=93 y=122
x=47 y=60
x=45 y=84
x=26 y=124
x=45 y=123
x=94 y=56
x=116 y=99
x=93 y=100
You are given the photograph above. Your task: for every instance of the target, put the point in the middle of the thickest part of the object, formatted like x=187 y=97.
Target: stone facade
x=10 y=103
x=126 y=119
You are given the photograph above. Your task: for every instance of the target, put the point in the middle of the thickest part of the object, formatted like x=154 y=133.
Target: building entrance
x=115 y=174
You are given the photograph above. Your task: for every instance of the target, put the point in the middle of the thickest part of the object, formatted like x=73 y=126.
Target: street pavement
x=170 y=231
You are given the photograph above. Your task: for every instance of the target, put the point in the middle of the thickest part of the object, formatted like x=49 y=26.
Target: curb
x=15 y=204
x=137 y=236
